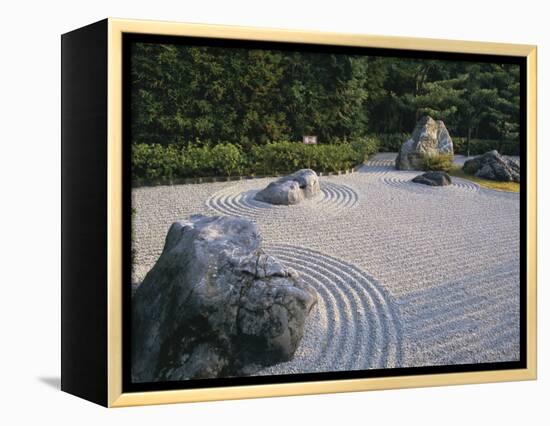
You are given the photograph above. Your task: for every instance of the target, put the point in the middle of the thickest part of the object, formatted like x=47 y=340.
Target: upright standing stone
x=429 y=137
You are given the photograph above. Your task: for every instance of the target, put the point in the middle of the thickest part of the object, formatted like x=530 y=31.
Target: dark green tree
x=200 y=95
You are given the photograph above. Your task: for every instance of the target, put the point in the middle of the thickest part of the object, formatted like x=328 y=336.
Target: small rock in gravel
x=433 y=179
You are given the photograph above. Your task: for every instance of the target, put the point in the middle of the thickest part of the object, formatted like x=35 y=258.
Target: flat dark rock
x=433 y=179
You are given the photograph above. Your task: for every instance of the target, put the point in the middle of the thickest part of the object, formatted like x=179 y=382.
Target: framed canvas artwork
x=254 y=212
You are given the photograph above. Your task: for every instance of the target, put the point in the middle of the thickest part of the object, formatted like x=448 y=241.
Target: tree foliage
x=197 y=95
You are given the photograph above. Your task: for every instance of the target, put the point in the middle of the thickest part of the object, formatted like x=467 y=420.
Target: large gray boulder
x=433 y=179
x=429 y=137
x=215 y=305
x=493 y=166
x=291 y=189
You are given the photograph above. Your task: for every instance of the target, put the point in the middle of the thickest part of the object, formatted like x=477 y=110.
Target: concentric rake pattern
x=233 y=201
x=354 y=325
x=377 y=168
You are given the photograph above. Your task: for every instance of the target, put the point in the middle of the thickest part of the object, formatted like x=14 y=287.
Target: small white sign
x=310 y=140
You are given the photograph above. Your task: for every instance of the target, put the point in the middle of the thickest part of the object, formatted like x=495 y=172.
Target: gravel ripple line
x=365 y=332
x=381 y=163
x=405 y=183
x=377 y=168
x=354 y=278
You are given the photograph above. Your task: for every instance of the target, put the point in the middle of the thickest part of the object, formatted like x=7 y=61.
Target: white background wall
x=30 y=211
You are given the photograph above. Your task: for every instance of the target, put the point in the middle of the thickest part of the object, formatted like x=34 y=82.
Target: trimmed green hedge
x=152 y=162
x=365 y=147
x=283 y=157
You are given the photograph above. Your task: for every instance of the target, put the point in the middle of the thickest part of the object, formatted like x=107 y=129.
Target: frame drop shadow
x=51 y=381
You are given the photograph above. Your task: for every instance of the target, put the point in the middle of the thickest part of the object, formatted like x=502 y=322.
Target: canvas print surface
x=306 y=211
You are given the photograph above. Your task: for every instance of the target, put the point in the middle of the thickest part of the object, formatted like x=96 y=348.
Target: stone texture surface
x=433 y=179
x=429 y=137
x=215 y=305
x=493 y=166
x=291 y=189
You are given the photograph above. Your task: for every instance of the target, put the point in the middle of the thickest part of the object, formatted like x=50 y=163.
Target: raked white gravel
x=406 y=274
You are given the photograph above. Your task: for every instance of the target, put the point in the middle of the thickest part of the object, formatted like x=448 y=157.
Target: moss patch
x=457 y=171
x=441 y=162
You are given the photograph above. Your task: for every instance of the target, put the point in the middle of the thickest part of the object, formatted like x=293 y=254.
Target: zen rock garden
x=213 y=301
x=297 y=213
x=215 y=305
